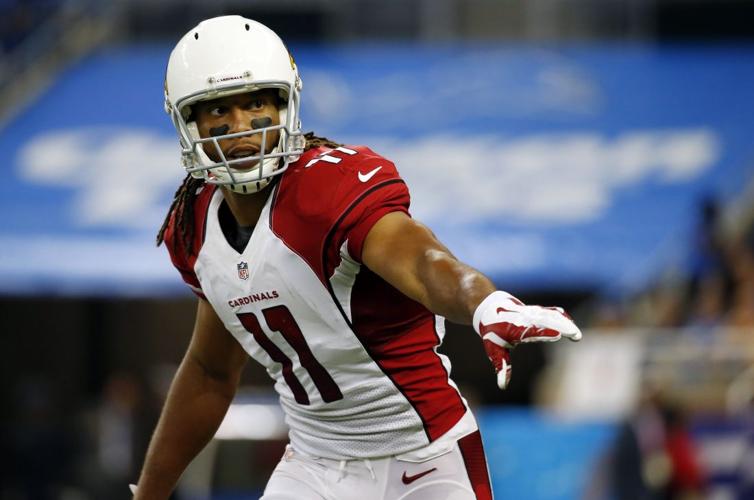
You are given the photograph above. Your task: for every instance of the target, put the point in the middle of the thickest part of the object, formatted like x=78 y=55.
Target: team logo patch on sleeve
x=243 y=270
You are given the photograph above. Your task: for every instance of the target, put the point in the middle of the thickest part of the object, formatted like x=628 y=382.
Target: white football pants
x=460 y=474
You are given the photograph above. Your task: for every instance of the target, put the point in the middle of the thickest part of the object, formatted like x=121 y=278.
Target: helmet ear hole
x=247 y=26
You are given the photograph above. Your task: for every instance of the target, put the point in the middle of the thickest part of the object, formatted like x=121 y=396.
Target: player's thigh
x=460 y=474
x=294 y=479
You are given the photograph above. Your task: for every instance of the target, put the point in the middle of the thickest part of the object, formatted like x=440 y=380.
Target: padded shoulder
x=331 y=196
x=327 y=179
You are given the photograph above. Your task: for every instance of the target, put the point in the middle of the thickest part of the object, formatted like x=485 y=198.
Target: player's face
x=239 y=113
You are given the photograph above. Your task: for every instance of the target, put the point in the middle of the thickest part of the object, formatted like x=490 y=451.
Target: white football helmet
x=224 y=56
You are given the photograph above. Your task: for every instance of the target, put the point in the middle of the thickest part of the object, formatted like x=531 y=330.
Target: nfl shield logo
x=243 y=270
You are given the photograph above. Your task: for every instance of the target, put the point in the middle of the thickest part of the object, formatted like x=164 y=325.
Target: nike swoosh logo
x=368 y=175
x=410 y=479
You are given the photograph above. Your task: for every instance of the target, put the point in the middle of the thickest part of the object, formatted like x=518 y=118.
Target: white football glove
x=503 y=322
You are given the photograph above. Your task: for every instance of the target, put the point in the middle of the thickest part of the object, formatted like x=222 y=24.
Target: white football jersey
x=354 y=361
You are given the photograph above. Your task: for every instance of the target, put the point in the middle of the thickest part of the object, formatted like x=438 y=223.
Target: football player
x=303 y=255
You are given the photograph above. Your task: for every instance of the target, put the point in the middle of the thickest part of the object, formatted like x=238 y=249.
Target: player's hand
x=503 y=322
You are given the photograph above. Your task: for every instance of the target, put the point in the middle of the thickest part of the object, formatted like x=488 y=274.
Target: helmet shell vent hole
x=196 y=36
x=247 y=27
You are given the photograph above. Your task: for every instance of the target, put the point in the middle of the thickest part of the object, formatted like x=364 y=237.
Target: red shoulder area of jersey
x=330 y=196
x=180 y=256
x=339 y=173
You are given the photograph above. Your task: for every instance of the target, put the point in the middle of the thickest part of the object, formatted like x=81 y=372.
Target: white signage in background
x=567 y=178
x=121 y=176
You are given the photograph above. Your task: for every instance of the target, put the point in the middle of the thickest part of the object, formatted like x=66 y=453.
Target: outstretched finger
x=504 y=376
x=574 y=336
x=501 y=361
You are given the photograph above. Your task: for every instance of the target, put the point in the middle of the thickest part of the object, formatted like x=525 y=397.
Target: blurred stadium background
x=596 y=154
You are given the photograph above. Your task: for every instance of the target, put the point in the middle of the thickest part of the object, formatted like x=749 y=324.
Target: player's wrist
x=496 y=299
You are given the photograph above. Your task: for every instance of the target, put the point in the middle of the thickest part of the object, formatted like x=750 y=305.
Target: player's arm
x=406 y=254
x=197 y=401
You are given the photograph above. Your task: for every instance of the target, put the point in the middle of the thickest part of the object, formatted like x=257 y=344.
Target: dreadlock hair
x=183 y=200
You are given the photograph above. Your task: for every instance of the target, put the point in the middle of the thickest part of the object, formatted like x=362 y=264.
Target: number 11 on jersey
x=280 y=319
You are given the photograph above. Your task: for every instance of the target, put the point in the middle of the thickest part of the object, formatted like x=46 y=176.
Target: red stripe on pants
x=472 y=451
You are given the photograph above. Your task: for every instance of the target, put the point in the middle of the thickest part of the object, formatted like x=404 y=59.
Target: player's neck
x=246 y=208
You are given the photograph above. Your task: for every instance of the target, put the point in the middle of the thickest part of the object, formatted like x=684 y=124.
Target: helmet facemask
x=268 y=163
